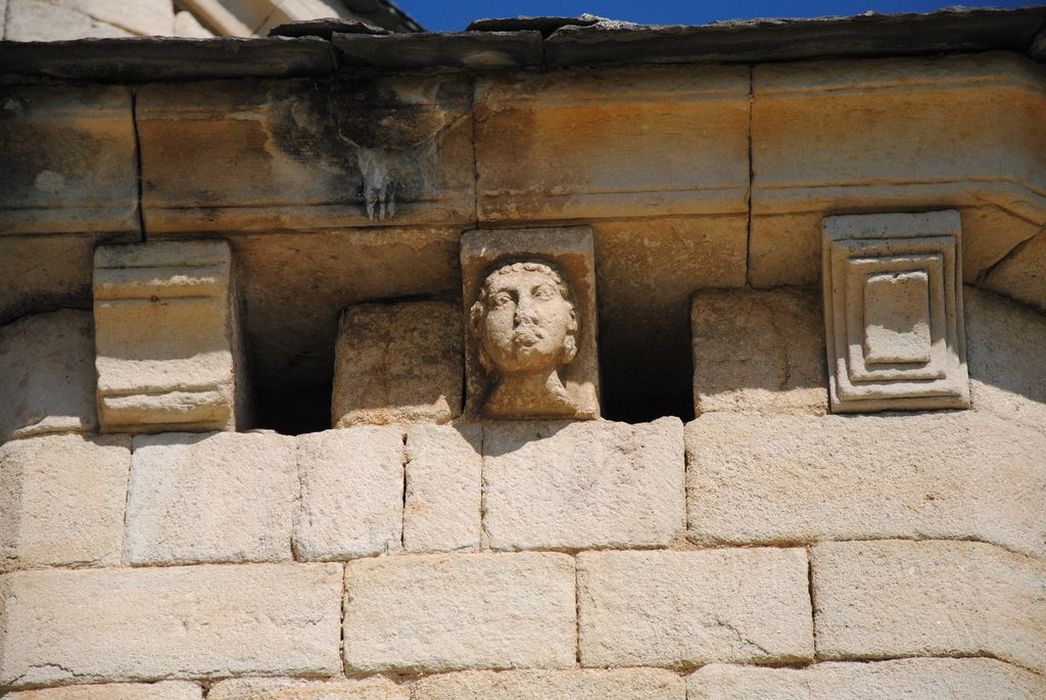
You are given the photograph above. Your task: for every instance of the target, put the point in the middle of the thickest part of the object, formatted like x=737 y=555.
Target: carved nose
x=525 y=311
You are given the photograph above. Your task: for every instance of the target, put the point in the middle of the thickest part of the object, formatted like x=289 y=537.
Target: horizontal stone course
x=680 y=608
x=296 y=689
x=574 y=684
x=104 y=625
x=164 y=690
x=432 y=613
x=896 y=598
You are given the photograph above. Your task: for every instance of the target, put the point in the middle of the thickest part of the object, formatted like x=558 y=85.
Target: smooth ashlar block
x=893 y=312
x=210 y=621
x=539 y=684
x=672 y=608
x=530 y=323
x=164 y=690
x=47 y=375
x=169 y=353
x=432 y=613
x=398 y=363
x=555 y=485
x=297 y=689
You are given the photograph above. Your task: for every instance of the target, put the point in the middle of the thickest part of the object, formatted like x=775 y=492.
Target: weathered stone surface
x=201 y=621
x=785 y=479
x=530 y=323
x=303 y=154
x=448 y=612
x=466 y=50
x=1022 y=274
x=682 y=608
x=810 y=156
x=956 y=679
x=222 y=497
x=69 y=154
x=680 y=135
x=896 y=598
x=1005 y=343
x=58 y=20
x=441 y=510
x=758 y=351
x=579 y=684
x=351 y=493
x=164 y=690
x=293 y=689
x=47 y=375
x=62 y=501
x=168 y=339
x=398 y=363
x=186 y=25
x=557 y=485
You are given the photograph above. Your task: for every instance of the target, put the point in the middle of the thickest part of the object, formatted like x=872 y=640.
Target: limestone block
x=434 y=613
x=205 y=621
x=56 y=20
x=168 y=339
x=47 y=375
x=530 y=336
x=671 y=608
x=957 y=130
x=351 y=493
x=582 y=144
x=898 y=598
x=1005 y=342
x=441 y=508
x=786 y=479
x=164 y=690
x=556 y=485
x=62 y=501
x=250 y=155
x=294 y=689
x=575 y=684
x=186 y=25
x=144 y=17
x=398 y=363
x=69 y=152
x=222 y=497
x=956 y=679
x=1022 y=274
x=893 y=312
x=758 y=351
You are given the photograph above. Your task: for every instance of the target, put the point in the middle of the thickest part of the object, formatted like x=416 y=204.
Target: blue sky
x=454 y=15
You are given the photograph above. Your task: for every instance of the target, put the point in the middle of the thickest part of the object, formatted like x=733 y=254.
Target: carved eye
x=544 y=292
x=500 y=299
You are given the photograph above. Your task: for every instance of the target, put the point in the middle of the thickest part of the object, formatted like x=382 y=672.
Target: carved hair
x=478 y=310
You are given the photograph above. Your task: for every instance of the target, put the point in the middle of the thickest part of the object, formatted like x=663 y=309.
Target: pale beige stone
x=221 y=497
x=62 y=501
x=205 y=621
x=786 y=479
x=351 y=493
x=441 y=510
x=533 y=355
x=433 y=613
x=677 y=609
x=164 y=690
x=186 y=25
x=758 y=351
x=583 y=144
x=575 y=684
x=1022 y=274
x=398 y=363
x=556 y=485
x=58 y=20
x=893 y=315
x=142 y=17
x=47 y=375
x=293 y=689
x=896 y=598
x=955 y=679
x=168 y=339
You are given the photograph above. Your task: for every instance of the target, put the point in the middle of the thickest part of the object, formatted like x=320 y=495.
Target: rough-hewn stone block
x=897 y=598
x=955 y=679
x=294 y=689
x=449 y=612
x=1022 y=273
x=351 y=493
x=62 y=500
x=223 y=497
x=164 y=690
x=758 y=351
x=198 y=621
x=781 y=479
x=47 y=375
x=443 y=490
x=673 y=609
x=398 y=363
x=578 y=684
x=582 y=485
